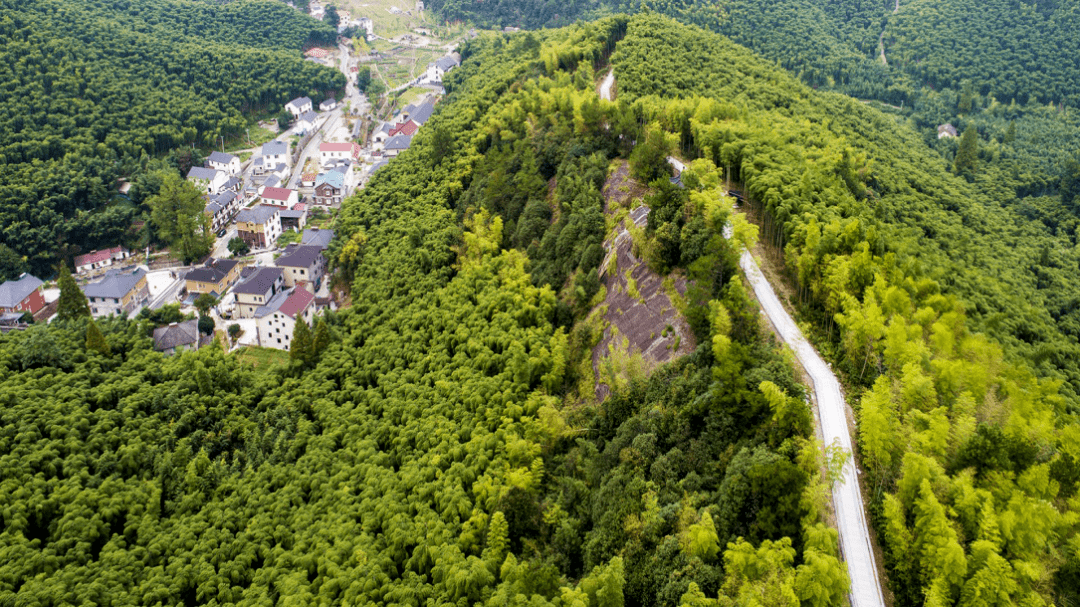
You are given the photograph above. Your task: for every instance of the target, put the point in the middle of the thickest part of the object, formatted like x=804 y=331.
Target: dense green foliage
x=971 y=456
x=434 y=450
x=998 y=64
x=89 y=87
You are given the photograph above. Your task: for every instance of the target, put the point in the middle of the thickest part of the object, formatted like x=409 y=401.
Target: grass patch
x=263 y=357
x=411 y=95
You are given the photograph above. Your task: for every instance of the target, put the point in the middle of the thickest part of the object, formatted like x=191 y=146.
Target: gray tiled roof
x=115 y=284
x=271 y=148
x=221 y=157
x=300 y=101
x=177 y=334
x=256 y=214
x=259 y=281
x=299 y=256
x=317 y=237
x=202 y=173
x=446 y=63
x=309 y=117
x=399 y=142
x=13 y=292
x=422 y=113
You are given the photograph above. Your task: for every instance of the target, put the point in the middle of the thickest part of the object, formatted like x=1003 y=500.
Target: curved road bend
x=847 y=498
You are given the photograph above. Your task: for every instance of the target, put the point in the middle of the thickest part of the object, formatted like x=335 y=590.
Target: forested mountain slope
x=435 y=449
x=1008 y=49
x=904 y=265
x=993 y=65
x=86 y=88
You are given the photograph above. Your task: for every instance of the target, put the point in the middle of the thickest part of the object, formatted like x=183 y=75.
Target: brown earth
x=646 y=320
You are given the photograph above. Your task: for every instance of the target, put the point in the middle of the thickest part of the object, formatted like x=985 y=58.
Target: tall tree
x=95 y=340
x=967 y=157
x=177 y=214
x=322 y=337
x=72 y=302
x=300 y=350
x=330 y=17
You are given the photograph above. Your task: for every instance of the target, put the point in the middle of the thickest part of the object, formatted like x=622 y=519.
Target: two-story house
x=276 y=321
x=259 y=226
x=307 y=122
x=302 y=263
x=21 y=295
x=256 y=289
x=280 y=197
x=438 y=68
x=298 y=106
x=214 y=277
x=226 y=163
x=209 y=181
x=118 y=293
x=329 y=188
x=330 y=153
x=271 y=155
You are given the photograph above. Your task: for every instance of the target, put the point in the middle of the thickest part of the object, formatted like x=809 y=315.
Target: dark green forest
x=94 y=91
x=437 y=449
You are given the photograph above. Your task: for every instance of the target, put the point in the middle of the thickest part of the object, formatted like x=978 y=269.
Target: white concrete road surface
x=850 y=515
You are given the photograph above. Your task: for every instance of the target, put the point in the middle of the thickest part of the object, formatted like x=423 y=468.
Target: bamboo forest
x=476 y=425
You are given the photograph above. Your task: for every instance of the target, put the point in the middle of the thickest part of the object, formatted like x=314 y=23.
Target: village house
x=214 y=277
x=256 y=289
x=946 y=130
x=259 y=226
x=328 y=105
x=307 y=122
x=332 y=152
x=381 y=134
x=209 y=181
x=397 y=144
x=21 y=295
x=118 y=293
x=437 y=69
x=293 y=219
x=307 y=180
x=283 y=197
x=329 y=188
x=226 y=163
x=418 y=113
x=405 y=128
x=178 y=337
x=221 y=209
x=298 y=106
x=95 y=260
x=276 y=321
x=273 y=154
x=302 y=263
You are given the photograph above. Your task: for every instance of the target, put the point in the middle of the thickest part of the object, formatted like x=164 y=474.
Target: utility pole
x=222 y=144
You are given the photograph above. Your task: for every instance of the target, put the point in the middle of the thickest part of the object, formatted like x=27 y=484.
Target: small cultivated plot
x=263 y=357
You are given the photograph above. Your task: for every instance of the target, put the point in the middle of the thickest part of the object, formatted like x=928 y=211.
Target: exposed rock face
x=639 y=316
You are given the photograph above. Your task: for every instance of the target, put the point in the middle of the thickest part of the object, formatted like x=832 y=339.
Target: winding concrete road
x=855 y=544
x=847 y=498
